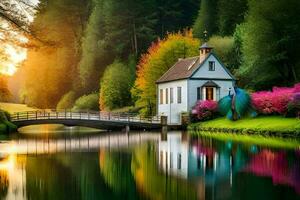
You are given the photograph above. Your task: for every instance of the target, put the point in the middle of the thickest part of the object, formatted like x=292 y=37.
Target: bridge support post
x=164 y=123
x=127 y=128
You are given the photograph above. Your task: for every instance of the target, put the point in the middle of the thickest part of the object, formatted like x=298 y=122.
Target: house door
x=209 y=93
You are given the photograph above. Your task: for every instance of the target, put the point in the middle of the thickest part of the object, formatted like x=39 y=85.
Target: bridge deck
x=102 y=120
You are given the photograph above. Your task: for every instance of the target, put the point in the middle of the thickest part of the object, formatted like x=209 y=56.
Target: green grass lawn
x=13 y=107
x=261 y=123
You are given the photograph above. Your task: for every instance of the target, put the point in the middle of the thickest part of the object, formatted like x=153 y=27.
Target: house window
x=167 y=95
x=211 y=66
x=178 y=94
x=161 y=96
x=198 y=93
x=179 y=161
x=171 y=96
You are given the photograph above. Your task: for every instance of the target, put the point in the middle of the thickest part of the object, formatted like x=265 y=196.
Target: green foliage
x=152 y=65
x=50 y=68
x=87 y=102
x=115 y=85
x=230 y=14
x=174 y=15
x=270 y=44
x=3 y=129
x=225 y=48
x=114 y=165
x=94 y=56
x=67 y=101
x=5 y=125
x=207 y=19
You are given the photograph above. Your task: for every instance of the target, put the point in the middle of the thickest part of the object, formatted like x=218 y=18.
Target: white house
x=198 y=78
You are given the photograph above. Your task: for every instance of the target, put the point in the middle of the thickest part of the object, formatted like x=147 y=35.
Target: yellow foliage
x=162 y=55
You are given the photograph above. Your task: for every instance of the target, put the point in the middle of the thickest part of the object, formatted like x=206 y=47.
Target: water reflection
x=145 y=166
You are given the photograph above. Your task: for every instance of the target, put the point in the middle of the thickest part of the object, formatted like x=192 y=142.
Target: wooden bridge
x=100 y=120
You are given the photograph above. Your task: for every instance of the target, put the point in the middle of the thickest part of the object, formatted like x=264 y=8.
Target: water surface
x=86 y=164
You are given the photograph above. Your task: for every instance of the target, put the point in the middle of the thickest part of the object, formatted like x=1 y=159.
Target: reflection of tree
x=47 y=178
x=3 y=183
x=115 y=168
x=154 y=184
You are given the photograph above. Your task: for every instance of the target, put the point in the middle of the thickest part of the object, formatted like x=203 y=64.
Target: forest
x=107 y=54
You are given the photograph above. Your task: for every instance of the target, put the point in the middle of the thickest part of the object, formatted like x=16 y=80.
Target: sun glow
x=14 y=56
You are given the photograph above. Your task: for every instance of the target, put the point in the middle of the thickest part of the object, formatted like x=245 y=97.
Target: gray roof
x=205 y=46
x=185 y=68
x=210 y=84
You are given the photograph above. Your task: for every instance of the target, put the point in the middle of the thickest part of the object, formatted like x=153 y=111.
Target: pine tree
x=230 y=14
x=207 y=19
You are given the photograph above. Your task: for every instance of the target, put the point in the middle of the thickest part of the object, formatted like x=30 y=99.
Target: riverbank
x=5 y=125
x=262 y=125
x=15 y=107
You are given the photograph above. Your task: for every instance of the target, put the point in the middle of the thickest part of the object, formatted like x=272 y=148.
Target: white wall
x=194 y=84
x=173 y=111
x=219 y=72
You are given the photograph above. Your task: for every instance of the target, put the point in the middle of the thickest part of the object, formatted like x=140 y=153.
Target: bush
x=67 y=101
x=294 y=106
x=115 y=86
x=87 y=102
x=3 y=129
x=205 y=110
x=274 y=102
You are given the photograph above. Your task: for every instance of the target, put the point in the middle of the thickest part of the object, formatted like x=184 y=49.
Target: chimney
x=205 y=49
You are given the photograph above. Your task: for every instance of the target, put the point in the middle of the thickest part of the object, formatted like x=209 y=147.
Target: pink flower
x=205 y=110
x=275 y=101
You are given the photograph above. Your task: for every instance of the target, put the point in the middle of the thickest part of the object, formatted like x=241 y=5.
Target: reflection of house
x=210 y=170
x=173 y=155
x=199 y=78
x=182 y=159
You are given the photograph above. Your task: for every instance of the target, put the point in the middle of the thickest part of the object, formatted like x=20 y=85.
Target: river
x=57 y=162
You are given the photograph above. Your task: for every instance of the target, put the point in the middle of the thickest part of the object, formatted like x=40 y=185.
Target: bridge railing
x=83 y=115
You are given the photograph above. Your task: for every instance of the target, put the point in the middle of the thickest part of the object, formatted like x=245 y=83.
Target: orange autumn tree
x=162 y=55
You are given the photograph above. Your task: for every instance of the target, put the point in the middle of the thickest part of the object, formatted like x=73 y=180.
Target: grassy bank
x=14 y=107
x=263 y=125
x=5 y=125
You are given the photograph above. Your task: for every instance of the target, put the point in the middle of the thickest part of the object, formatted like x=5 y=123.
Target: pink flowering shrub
x=205 y=110
x=275 y=101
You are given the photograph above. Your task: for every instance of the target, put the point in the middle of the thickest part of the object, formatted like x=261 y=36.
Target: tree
x=67 y=101
x=207 y=19
x=4 y=92
x=225 y=48
x=158 y=59
x=270 y=44
x=174 y=15
x=116 y=29
x=94 y=58
x=87 y=102
x=230 y=14
x=50 y=69
x=115 y=85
